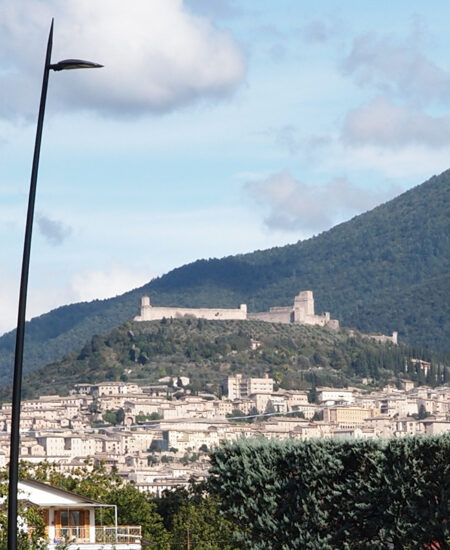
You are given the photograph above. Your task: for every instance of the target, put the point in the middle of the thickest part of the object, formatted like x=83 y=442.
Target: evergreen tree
x=326 y=494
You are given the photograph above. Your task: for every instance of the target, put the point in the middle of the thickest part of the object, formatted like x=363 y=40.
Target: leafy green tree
x=109 y=417
x=446 y=375
x=417 y=495
x=326 y=494
x=312 y=395
x=201 y=526
x=34 y=539
x=420 y=375
x=93 y=407
x=423 y=413
x=120 y=416
x=114 y=417
x=169 y=504
x=156 y=446
x=237 y=415
x=134 y=508
x=270 y=409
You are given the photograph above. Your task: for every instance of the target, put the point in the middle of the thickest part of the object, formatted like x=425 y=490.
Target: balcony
x=123 y=537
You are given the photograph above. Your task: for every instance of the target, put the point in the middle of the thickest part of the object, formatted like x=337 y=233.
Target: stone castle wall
x=302 y=312
x=274 y=315
x=151 y=313
x=383 y=338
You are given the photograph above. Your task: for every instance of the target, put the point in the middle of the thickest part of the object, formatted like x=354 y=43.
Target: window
x=70 y=518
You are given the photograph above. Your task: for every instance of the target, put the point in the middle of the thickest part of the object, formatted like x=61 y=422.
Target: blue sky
x=216 y=127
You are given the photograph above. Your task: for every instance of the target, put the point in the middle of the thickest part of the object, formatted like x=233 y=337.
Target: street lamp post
x=18 y=361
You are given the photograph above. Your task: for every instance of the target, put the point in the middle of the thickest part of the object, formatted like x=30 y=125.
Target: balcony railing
x=69 y=534
x=123 y=534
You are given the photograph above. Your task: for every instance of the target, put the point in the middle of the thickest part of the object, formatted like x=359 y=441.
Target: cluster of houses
x=163 y=430
x=161 y=436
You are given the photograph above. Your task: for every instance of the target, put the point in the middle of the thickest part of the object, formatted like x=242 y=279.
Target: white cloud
x=379 y=122
x=294 y=205
x=89 y=284
x=214 y=8
x=92 y=284
x=414 y=90
x=39 y=300
x=157 y=56
x=398 y=68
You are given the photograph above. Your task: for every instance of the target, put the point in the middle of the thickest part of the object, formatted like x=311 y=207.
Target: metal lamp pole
x=18 y=361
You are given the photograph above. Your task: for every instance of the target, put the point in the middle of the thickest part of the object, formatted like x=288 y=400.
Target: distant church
x=302 y=312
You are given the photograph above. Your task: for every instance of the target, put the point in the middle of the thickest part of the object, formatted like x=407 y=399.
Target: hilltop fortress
x=302 y=312
x=151 y=313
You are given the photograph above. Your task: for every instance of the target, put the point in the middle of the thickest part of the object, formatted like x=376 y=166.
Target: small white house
x=70 y=518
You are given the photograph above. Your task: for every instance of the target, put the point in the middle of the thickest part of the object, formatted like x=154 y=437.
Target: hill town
x=157 y=436
x=233 y=322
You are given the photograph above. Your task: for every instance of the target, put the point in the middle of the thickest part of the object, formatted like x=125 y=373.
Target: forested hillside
x=384 y=270
x=296 y=356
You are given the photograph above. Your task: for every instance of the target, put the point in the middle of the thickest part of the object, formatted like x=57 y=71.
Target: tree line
x=296 y=356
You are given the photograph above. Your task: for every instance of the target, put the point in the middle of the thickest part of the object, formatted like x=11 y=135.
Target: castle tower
x=303 y=305
x=145 y=309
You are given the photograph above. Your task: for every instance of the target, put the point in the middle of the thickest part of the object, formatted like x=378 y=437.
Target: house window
x=72 y=526
x=70 y=518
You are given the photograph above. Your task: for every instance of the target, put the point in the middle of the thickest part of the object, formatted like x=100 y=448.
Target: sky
x=216 y=127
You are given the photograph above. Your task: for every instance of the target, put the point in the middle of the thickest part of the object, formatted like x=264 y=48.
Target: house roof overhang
x=42 y=494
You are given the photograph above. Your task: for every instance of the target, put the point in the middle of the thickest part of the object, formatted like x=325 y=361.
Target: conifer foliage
x=328 y=494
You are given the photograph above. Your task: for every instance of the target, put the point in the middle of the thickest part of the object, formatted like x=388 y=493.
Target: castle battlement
x=302 y=312
x=152 y=313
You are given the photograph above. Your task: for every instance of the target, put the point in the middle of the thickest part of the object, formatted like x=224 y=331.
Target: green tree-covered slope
x=296 y=356
x=384 y=270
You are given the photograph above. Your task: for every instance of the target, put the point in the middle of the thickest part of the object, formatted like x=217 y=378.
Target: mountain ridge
x=358 y=271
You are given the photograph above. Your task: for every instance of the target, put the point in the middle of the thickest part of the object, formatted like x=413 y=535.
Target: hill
x=296 y=356
x=384 y=270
